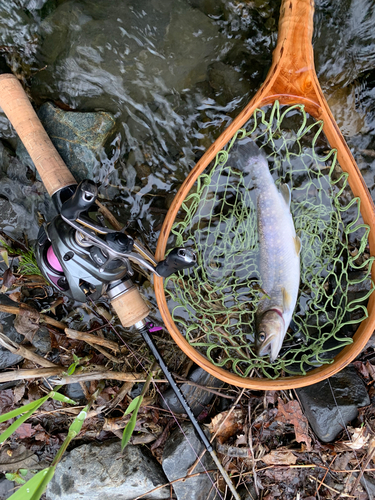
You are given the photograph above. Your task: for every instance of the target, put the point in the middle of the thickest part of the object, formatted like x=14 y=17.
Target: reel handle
x=14 y=102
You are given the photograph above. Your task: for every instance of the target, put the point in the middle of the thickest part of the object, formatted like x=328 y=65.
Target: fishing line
x=163 y=399
x=349 y=438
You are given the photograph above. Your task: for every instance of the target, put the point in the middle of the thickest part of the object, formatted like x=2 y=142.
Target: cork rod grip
x=130 y=307
x=17 y=107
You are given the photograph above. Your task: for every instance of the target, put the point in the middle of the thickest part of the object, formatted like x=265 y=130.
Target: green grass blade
x=130 y=426
x=34 y=405
x=44 y=482
x=60 y=397
x=133 y=405
x=28 y=490
x=77 y=423
x=9 y=431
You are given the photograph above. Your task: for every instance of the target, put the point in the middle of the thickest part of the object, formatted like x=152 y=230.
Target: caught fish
x=279 y=250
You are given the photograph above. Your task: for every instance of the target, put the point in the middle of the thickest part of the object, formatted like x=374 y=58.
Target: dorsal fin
x=297 y=244
x=285 y=193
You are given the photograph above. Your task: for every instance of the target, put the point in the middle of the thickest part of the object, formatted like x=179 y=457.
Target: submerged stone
x=78 y=137
x=331 y=404
x=100 y=472
x=180 y=452
x=120 y=55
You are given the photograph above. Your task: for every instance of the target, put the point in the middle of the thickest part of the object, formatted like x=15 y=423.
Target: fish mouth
x=271 y=347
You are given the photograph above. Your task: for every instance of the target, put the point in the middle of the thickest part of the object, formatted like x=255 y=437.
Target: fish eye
x=261 y=336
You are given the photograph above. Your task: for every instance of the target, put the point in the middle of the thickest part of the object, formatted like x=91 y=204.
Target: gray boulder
x=78 y=137
x=98 y=471
x=331 y=404
x=180 y=452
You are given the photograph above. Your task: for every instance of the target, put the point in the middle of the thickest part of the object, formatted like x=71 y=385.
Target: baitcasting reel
x=84 y=259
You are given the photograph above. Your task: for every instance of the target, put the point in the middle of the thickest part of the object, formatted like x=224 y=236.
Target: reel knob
x=177 y=260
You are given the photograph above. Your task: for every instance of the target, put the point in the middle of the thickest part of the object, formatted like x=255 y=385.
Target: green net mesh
x=214 y=304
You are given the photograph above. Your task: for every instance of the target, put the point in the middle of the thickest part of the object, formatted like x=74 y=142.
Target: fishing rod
x=82 y=258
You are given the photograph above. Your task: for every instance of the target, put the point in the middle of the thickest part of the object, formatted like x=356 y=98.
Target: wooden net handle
x=17 y=107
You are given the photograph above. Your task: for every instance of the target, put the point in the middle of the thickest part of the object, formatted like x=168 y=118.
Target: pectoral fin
x=287 y=300
x=297 y=244
x=286 y=194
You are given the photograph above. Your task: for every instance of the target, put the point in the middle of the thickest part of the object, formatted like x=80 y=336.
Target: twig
x=90 y=338
x=250 y=441
x=63 y=380
x=30 y=374
x=370 y=454
x=24 y=352
x=208 y=389
x=99 y=375
x=42 y=317
x=103 y=351
x=332 y=489
x=125 y=389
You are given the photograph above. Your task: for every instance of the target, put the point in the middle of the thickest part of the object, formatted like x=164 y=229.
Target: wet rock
x=180 y=452
x=196 y=397
x=344 y=46
x=74 y=391
x=6 y=487
x=227 y=81
x=327 y=413
x=16 y=220
x=98 y=472
x=78 y=137
x=42 y=340
x=247 y=492
x=7 y=358
x=119 y=55
x=349 y=118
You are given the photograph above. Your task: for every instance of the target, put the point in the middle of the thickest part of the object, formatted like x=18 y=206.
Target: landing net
x=214 y=304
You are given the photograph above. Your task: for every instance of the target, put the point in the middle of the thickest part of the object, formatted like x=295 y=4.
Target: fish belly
x=279 y=260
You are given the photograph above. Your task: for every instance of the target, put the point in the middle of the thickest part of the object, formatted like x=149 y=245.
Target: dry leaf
x=359 y=440
x=8 y=280
x=291 y=413
x=27 y=321
x=361 y=368
x=227 y=427
x=279 y=457
x=371 y=369
x=25 y=431
x=18 y=392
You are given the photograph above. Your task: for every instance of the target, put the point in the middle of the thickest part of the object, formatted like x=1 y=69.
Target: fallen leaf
x=19 y=458
x=25 y=431
x=19 y=392
x=359 y=440
x=6 y=401
x=8 y=280
x=270 y=397
x=371 y=369
x=361 y=368
x=291 y=413
x=227 y=427
x=27 y=321
x=279 y=457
